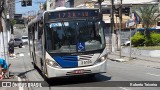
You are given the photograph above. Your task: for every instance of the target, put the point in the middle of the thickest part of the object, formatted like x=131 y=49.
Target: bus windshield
x=74 y=36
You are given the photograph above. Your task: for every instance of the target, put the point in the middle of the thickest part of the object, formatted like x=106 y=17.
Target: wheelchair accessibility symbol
x=81 y=46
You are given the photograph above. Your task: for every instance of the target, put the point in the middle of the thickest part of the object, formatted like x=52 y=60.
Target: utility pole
x=120 y=19
x=130 y=11
x=112 y=25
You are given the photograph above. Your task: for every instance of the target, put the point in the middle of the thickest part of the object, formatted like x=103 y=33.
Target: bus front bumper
x=62 y=72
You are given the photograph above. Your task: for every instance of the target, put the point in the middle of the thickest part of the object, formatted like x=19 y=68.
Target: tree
x=44 y=6
x=148 y=16
x=12 y=22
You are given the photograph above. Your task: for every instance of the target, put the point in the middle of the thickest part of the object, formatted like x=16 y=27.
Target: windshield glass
x=74 y=36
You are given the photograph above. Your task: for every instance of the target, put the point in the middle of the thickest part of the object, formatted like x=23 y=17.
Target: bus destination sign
x=73 y=14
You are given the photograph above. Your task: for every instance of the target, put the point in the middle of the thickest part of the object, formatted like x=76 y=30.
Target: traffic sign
x=130 y=23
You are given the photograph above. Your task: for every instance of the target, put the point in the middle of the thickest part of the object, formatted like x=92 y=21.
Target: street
x=75 y=37
x=116 y=71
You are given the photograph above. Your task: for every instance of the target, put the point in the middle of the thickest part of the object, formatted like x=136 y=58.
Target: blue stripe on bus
x=67 y=61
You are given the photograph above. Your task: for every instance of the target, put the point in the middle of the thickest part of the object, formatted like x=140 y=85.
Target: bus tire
x=34 y=65
x=49 y=80
x=33 y=57
x=91 y=75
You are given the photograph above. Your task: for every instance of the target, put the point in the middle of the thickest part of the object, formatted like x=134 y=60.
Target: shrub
x=148 y=41
x=155 y=38
x=138 y=39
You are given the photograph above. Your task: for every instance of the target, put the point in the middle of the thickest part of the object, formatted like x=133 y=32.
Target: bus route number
x=86 y=62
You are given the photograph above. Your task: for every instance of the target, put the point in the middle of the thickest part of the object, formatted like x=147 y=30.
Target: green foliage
x=13 y=22
x=44 y=6
x=148 y=16
x=155 y=38
x=148 y=41
x=138 y=39
x=149 y=47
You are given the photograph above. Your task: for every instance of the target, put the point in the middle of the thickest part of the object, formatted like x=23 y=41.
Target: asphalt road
x=116 y=71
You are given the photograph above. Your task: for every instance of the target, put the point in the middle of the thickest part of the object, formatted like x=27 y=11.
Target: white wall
x=50 y=4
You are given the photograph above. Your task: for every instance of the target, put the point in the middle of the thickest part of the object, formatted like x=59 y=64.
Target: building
x=52 y=4
x=59 y=3
x=11 y=9
x=70 y=3
x=85 y=3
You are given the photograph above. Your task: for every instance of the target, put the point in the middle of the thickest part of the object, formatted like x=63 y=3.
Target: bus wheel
x=49 y=80
x=91 y=75
x=34 y=64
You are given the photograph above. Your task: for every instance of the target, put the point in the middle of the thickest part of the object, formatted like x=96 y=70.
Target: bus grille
x=85 y=57
x=81 y=57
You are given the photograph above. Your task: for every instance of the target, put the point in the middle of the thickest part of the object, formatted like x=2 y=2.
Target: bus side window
x=40 y=30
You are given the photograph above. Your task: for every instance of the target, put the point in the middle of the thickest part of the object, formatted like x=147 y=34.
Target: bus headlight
x=101 y=59
x=52 y=63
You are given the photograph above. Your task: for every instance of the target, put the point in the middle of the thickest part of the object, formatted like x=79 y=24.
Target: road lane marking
x=153 y=74
x=19 y=80
x=123 y=88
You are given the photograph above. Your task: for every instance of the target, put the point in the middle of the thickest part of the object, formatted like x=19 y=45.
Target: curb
x=122 y=59
x=119 y=60
x=138 y=58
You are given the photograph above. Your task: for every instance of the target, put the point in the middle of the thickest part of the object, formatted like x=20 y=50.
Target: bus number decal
x=72 y=14
x=86 y=62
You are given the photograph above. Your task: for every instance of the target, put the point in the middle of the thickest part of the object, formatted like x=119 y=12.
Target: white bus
x=68 y=42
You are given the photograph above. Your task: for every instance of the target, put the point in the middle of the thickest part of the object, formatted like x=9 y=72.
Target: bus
x=68 y=42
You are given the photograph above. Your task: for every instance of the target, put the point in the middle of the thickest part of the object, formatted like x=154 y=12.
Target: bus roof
x=37 y=18
x=64 y=8
x=56 y=10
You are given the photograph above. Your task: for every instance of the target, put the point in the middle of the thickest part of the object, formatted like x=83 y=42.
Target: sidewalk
x=6 y=84
x=126 y=57
x=144 y=61
x=14 y=78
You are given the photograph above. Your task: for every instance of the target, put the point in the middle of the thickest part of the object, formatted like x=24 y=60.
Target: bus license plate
x=78 y=71
x=85 y=62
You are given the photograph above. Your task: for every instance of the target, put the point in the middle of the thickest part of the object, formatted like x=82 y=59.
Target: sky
x=22 y=10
